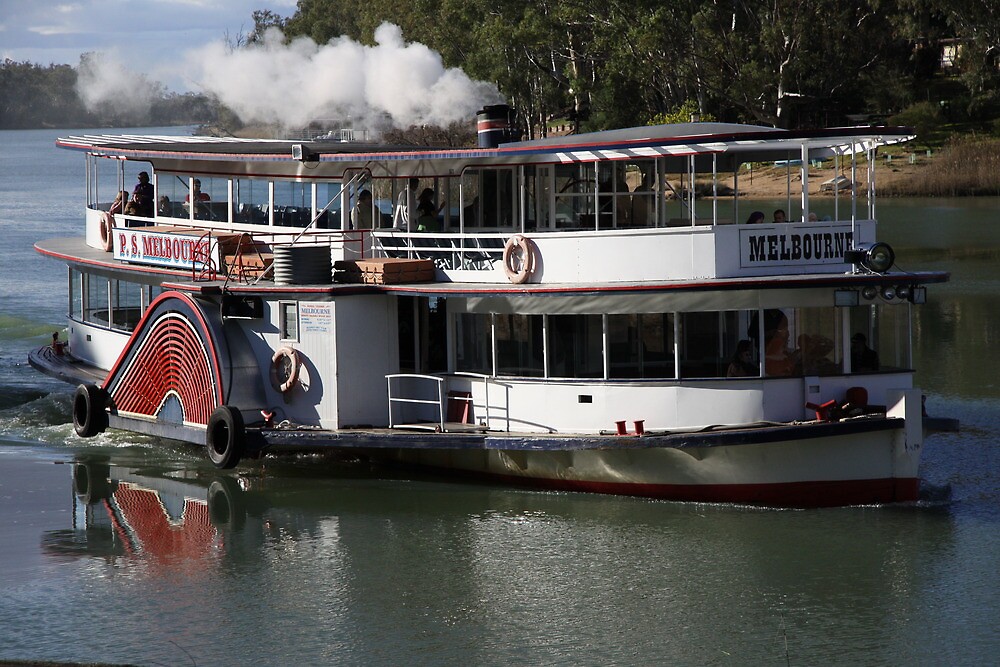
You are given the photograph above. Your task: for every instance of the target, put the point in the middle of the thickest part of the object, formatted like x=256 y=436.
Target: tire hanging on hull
x=89 y=416
x=225 y=438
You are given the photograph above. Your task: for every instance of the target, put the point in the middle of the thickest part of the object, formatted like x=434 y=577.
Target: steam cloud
x=105 y=84
x=292 y=84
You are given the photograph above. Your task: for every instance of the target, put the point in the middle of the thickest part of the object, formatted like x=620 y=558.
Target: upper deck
x=648 y=204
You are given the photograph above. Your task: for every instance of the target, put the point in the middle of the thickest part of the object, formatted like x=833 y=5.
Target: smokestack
x=494 y=124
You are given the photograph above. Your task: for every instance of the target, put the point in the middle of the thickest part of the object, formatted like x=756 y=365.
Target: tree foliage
x=612 y=63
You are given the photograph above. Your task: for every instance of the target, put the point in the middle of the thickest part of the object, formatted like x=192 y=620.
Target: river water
x=313 y=561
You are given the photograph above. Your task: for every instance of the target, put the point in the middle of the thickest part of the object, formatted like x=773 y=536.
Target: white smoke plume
x=292 y=84
x=105 y=84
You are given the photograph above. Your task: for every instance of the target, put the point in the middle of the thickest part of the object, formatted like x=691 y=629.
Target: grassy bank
x=966 y=166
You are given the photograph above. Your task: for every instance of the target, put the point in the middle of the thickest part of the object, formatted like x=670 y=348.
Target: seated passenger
x=119 y=204
x=196 y=195
x=778 y=360
x=863 y=358
x=779 y=216
x=742 y=364
x=756 y=218
x=163 y=207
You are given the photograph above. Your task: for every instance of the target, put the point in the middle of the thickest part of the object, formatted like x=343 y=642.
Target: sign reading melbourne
x=787 y=245
x=178 y=251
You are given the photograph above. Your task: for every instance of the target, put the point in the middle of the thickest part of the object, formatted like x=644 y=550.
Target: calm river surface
x=303 y=560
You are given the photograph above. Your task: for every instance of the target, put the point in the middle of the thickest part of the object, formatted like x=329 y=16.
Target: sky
x=150 y=35
x=182 y=44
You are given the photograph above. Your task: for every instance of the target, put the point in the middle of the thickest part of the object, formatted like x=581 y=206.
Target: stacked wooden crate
x=384 y=271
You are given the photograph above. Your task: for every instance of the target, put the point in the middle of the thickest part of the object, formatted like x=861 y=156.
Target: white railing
x=439 y=427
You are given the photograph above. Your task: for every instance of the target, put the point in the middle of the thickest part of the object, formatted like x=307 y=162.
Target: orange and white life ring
x=108 y=232
x=519 y=258
x=285 y=369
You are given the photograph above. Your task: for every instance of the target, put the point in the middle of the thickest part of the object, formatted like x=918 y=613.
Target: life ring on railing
x=519 y=258
x=285 y=364
x=107 y=231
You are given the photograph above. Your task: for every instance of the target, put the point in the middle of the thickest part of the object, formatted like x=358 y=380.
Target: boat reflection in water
x=166 y=522
x=300 y=562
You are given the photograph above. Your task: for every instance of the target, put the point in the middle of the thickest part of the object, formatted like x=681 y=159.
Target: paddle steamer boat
x=565 y=313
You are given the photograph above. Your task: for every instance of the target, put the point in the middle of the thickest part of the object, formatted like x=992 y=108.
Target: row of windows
x=791 y=342
x=113 y=304
x=627 y=194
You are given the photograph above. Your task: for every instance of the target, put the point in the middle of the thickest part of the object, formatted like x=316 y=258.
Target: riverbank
x=965 y=167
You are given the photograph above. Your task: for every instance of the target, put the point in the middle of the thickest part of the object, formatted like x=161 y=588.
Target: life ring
x=519 y=259
x=108 y=232
x=225 y=438
x=285 y=361
x=89 y=417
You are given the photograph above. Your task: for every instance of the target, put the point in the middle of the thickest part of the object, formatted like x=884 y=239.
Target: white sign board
x=178 y=251
x=798 y=245
x=316 y=317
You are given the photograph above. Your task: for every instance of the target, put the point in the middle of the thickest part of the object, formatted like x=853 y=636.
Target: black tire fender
x=226 y=437
x=89 y=416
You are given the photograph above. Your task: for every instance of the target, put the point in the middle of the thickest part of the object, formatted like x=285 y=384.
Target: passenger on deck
x=142 y=196
x=778 y=361
x=361 y=214
x=406 y=205
x=779 y=216
x=742 y=364
x=119 y=204
x=199 y=197
x=863 y=358
x=163 y=207
x=813 y=217
x=756 y=218
x=427 y=212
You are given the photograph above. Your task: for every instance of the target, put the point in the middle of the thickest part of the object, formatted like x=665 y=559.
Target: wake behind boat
x=561 y=312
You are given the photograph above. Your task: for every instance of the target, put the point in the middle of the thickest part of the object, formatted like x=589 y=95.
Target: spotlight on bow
x=876 y=258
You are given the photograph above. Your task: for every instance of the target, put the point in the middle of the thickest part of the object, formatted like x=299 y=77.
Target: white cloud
x=292 y=84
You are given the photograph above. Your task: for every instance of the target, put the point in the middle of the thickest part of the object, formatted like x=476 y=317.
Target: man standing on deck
x=406 y=206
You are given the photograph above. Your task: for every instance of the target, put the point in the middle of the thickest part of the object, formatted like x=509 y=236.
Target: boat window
x=95 y=307
x=816 y=342
x=106 y=180
x=174 y=193
x=250 y=196
x=641 y=346
x=293 y=204
x=640 y=178
x=708 y=341
x=473 y=343
x=126 y=304
x=575 y=346
x=489 y=196
x=885 y=331
x=519 y=345
x=574 y=200
x=288 y=320
x=538 y=180
x=433 y=331
x=75 y=294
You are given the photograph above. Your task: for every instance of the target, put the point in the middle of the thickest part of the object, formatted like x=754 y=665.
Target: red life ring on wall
x=519 y=258
x=107 y=232
x=285 y=364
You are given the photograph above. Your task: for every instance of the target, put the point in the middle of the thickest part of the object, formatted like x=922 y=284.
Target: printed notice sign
x=316 y=317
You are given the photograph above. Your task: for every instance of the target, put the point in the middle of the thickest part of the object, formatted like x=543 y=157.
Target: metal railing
x=439 y=427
